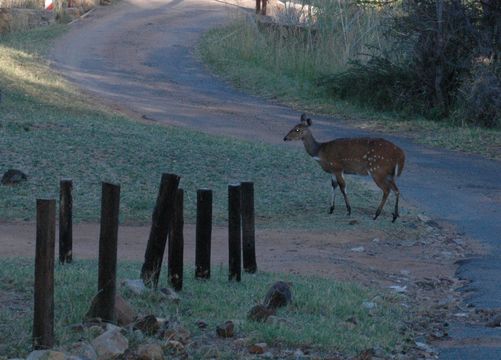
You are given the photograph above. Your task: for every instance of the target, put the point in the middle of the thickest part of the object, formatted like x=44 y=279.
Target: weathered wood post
x=234 y=233
x=43 y=317
x=108 y=238
x=65 y=221
x=176 y=244
x=258 y=6
x=161 y=222
x=248 y=227
x=263 y=7
x=203 y=234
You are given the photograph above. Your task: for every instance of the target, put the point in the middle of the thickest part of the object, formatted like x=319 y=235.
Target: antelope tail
x=400 y=164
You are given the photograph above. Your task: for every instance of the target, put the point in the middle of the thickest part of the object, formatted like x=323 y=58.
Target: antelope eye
x=297 y=130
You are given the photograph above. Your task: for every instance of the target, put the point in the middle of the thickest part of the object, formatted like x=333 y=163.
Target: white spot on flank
x=316 y=158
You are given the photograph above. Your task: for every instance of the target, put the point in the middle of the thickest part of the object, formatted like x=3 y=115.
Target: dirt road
x=139 y=57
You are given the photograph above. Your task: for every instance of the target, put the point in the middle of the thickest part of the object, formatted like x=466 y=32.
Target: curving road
x=138 y=56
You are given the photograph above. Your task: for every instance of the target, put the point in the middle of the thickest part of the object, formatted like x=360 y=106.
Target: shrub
x=435 y=48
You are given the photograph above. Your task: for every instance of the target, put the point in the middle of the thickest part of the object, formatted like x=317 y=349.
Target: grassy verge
x=318 y=314
x=49 y=131
x=246 y=58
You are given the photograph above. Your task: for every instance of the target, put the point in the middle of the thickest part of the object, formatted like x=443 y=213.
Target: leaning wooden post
x=161 y=220
x=234 y=233
x=65 y=222
x=258 y=6
x=108 y=238
x=176 y=244
x=43 y=317
x=248 y=227
x=203 y=234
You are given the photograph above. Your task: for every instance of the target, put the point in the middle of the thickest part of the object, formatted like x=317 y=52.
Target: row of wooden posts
x=167 y=224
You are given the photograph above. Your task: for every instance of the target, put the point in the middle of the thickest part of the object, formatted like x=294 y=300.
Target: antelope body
x=376 y=157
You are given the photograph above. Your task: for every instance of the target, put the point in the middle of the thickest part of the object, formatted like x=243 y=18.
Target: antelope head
x=299 y=131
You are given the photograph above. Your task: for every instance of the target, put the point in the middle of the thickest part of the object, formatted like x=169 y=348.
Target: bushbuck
x=377 y=157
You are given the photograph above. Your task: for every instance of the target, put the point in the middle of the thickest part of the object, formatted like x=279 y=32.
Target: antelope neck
x=310 y=144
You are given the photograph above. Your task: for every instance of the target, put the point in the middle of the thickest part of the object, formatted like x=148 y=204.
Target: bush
x=432 y=67
x=480 y=99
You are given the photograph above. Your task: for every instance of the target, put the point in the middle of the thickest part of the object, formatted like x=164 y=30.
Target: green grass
x=288 y=71
x=50 y=131
x=318 y=313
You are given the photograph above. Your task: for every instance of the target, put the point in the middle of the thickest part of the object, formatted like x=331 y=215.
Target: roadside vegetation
x=321 y=312
x=372 y=63
x=50 y=131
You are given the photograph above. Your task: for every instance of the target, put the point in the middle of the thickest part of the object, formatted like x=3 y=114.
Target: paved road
x=139 y=57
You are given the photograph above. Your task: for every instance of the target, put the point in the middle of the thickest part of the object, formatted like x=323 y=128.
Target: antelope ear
x=303 y=117
x=308 y=122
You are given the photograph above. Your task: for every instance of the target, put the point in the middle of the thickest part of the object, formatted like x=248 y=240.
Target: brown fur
x=377 y=157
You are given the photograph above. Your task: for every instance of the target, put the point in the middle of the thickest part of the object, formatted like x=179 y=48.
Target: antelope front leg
x=342 y=187
x=333 y=196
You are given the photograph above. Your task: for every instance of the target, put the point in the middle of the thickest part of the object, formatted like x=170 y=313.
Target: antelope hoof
x=349 y=211
x=377 y=214
x=331 y=210
x=395 y=216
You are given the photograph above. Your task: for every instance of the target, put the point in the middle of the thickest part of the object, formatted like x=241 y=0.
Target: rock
x=494 y=322
x=201 y=324
x=298 y=354
x=13 y=177
x=277 y=321
x=240 y=342
x=358 y=249
x=369 y=305
x=259 y=348
x=110 y=326
x=226 y=330
x=405 y=272
x=82 y=350
x=178 y=334
x=424 y=347
x=376 y=240
x=278 y=295
x=170 y=295
x=95 y=331
x=110 y=345
x=150 y=352
x=124 y=313
x=46 y=355
x=423 y=218
x=365 y=355
x=174 y=345
x=136 y=286
x=353 y=222
x=260 y=313
x=398 y=288
x=149 y=325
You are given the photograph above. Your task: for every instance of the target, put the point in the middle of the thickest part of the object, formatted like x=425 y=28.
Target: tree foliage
x=443 y=61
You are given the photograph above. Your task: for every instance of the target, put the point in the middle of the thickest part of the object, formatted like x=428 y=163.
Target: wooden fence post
x=234 y=233
x=248 y=227
x=176 y=244
x=108 y=237
x=65 y=222
x=161 y=222
x=43 y=317
x=258 y=6
x=203 y=234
